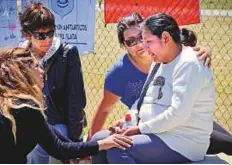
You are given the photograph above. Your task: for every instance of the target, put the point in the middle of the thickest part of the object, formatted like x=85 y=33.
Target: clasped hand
x=118 y=128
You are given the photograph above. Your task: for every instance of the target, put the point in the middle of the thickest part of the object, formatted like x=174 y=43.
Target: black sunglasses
x=133 y=41
x=42 y=35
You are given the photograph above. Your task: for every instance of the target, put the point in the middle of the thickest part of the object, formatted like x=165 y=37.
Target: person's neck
x=142 y=64
x=174 y=52
x=37 y=52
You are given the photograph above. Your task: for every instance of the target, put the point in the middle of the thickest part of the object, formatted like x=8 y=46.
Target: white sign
x=9 y=25
x=75 y=21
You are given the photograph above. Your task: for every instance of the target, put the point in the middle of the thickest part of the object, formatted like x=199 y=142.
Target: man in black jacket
x=64 y=87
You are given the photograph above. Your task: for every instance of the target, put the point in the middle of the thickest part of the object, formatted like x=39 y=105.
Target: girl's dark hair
x=36 y=16
x=125 y=23
x=159 y=23
x=188 y=37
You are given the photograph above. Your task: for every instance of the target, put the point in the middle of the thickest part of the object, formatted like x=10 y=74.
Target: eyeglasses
x=42 y=35
x=133 y=41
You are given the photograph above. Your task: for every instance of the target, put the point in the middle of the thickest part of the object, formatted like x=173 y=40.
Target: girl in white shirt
x=176 y=112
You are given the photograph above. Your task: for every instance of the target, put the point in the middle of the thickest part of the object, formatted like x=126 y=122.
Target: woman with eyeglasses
x=125 y=79
x=64 y=86
x=22 y=114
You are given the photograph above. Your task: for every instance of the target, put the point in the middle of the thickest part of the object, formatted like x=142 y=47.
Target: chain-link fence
x=214 y=31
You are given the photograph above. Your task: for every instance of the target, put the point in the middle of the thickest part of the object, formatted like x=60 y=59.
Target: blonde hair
x=18 y=82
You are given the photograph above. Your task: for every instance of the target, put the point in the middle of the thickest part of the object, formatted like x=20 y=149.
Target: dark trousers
x=220 y=141
x=146 y=149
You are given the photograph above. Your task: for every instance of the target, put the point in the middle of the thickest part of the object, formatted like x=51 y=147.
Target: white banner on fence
x=9 y=26
x=75 y=21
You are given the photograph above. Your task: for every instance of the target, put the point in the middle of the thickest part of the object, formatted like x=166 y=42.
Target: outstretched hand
x=115 y=140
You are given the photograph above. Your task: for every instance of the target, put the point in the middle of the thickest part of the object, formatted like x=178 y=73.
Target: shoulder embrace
x=189 y=56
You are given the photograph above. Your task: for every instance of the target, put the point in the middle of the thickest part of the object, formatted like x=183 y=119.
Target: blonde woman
x=22 y=121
